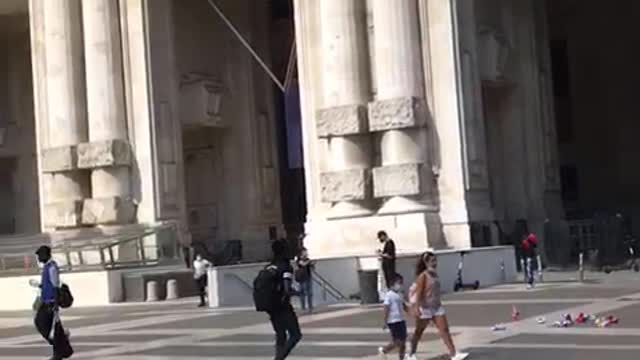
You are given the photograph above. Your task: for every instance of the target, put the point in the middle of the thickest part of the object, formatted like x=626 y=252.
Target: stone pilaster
x=107 y=153
x=399 y=111
x=438 y=18
x=342 y=118
x=57 y=54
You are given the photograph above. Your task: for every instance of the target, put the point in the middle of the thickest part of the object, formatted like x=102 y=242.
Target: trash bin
x=368 y=280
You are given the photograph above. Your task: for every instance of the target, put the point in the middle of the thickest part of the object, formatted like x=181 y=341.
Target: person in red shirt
x=529 y=247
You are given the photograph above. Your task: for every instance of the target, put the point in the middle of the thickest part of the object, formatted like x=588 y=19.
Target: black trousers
x=389 y=271
x=201 y=284
x=285 y=324
x=44 y=322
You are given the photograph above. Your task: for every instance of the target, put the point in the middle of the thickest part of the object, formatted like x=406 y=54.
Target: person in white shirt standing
x=200 y=268
x=394 y=308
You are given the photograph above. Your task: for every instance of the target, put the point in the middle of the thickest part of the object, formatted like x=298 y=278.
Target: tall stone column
x=400 y=110
x=57 y=52
x=342 y=119
x=108 y=152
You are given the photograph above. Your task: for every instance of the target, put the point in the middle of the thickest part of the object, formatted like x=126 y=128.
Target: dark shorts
x=398 y=331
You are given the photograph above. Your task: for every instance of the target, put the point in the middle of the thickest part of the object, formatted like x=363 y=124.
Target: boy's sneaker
x=460 y=356
x=411 y=357
x=381 y=353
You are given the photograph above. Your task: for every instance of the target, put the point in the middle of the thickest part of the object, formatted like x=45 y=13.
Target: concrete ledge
x=397 y=180
x=398 y=113
x=63 y=214
x=342 y=120
x=106 y=153
x=232 y=285
x=346 y=185
x=59 y=159
x=113 y=210
x=95 y=288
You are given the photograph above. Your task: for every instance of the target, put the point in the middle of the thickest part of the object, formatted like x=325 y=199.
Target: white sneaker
x=381 y=353
x=460 y=356
x=411 y=357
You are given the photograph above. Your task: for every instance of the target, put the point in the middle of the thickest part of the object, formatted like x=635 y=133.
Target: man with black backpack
x=272 y=294
x=53 y=295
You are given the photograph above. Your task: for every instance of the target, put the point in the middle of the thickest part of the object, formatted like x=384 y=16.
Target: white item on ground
x=460 y=356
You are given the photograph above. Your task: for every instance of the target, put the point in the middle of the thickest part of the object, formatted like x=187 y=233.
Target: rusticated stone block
x=397 y=180
x=342 y=120
x=106 y=153
x=59 y=159
x=112 y=210
x=398 y=113
x=63 y=214
x=346 y=185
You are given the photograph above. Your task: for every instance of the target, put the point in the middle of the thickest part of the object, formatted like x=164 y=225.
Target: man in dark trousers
x=283 y=317
x=529 y=253
x=47 y=320
x=388 y=257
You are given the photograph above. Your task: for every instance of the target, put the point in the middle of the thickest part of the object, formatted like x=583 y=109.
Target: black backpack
x=267 y=289
x=65 y=298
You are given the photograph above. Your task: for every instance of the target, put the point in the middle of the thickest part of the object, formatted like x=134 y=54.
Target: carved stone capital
x=106 y=153
x=111 y=210
x=398 y=113
x=342 y=120
x=397 y=180
x=346 y=185
x=59 y=159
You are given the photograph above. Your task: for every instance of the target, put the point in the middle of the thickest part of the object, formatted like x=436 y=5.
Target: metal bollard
x=581 y=267
x=172 y=289
x=503 y=272
x=152 y=291
x=540 y=275
x=524 y=269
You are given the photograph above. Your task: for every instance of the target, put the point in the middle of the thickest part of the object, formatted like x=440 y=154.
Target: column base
x=412 y=233
x=343 y=210
x=404 y=205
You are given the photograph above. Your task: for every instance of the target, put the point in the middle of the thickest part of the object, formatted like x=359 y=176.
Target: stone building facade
x=435 y=120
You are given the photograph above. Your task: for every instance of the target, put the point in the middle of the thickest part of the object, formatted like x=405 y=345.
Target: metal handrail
x=326 y=286
x=104 y=246
x=240 y=279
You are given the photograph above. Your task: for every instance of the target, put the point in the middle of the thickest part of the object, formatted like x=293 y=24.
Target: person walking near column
x=200 y=268
x=304 y=277
x=424 y=296
x=388 y=257
x=47 y=319
x=529 y=253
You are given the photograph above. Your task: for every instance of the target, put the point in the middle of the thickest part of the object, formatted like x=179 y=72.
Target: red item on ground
x=612 y=319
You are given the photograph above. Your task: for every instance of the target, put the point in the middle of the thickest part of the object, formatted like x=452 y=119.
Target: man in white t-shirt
x=200 y=268
x=394 y=309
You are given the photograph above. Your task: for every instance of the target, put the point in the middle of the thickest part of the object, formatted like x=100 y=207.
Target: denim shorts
x=428 y=314
x=398 y=331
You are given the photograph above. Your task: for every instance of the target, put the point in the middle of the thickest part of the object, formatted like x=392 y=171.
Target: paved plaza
x=178 y=330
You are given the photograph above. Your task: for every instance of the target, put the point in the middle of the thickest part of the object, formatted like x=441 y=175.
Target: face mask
x=396 y=287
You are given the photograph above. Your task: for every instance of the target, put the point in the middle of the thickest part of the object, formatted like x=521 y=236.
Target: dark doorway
x=7 y=196
x=289 y=121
